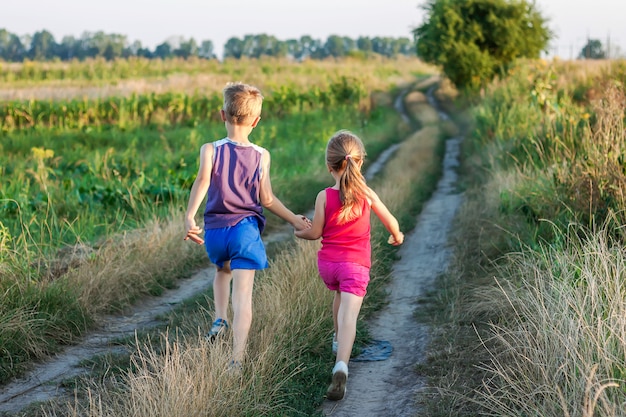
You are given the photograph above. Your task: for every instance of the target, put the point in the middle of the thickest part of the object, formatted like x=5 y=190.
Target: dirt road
x=384 y=388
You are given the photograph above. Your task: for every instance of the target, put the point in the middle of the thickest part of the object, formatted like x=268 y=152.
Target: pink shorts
x=345 y=276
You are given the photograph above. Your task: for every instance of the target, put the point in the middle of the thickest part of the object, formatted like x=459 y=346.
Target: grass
x=529 y=319
x=59 y=273
x=289 y=356
x=571 y=303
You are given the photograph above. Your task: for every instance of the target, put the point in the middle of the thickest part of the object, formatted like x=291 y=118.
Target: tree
x=233 y=48
x=592 y=50
x=116 y=44
x=42 y=46
x=144 y=52
x=364 y=44
x=380 y=45
x=163 y=51
x=11 y=47
x=248 y=45
x=294 y=49
x=405 y=46
x=68 y=48
x=280 y=48
x=206 y=50
x=309 y=46
x=134 y=49
x=473 y=40
x=186 y=48
x=335 y=46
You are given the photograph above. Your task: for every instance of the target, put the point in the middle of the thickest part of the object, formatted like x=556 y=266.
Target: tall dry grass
x=533 y=308
x=528 y=332
x=562 y=351
x=132 y=264
x=183 y=376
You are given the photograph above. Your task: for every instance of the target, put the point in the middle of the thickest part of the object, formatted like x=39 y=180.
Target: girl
x=342 y=220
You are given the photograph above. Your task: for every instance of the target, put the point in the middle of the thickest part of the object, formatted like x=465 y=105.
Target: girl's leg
x=348 y=312
x=221 y=290
x=243 y=281
x=336 y=303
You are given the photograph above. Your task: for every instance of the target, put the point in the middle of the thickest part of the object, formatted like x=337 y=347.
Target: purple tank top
x=235 y=185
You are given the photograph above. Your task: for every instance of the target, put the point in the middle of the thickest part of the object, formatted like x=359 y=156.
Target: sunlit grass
x=91 y=228
x=289 y=358
x=531 y=312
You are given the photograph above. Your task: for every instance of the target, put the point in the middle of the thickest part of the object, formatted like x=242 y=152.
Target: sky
x=154 y=21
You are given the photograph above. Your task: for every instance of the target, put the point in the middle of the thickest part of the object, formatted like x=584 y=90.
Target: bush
x=473 y=40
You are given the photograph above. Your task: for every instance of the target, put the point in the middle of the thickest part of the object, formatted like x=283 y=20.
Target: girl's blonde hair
x=345 y=153
x=242 y=103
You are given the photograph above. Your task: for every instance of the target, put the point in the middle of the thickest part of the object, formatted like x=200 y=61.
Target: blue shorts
x=240 y=244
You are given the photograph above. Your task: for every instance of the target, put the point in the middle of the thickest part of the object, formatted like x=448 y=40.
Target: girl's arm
x=315 y=231
x=388 y=220
x=198 y=191
x=272 y=203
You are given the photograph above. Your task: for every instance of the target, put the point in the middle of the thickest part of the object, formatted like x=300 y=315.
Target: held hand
x=302 y=222
x=396 y=240
x=193 y=233
x=307 y=221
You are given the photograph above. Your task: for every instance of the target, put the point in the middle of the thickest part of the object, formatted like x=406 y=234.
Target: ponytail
x=352 y=190
x=345 y=153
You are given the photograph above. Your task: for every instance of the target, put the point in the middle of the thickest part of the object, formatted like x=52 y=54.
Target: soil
x=378 y=388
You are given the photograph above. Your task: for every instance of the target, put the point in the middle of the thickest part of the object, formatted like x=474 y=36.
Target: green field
x=94 y=189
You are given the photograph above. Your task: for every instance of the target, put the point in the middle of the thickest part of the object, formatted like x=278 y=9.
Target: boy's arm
x=272 y=203
x=198 y=191
x=388 y=220
x=315 y=231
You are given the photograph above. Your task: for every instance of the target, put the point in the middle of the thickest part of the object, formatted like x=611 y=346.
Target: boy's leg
x=347 y=315
x=243 y=281
x=221 y=290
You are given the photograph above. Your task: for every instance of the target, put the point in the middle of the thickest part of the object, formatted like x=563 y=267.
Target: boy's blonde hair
x=242 y=103
x=345 y=152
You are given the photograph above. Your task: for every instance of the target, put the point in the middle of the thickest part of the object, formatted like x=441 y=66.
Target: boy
x=235 y=176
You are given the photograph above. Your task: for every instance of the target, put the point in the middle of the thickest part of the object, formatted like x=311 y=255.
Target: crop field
x=97 y=159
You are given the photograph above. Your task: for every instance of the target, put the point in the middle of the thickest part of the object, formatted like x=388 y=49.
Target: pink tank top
x=347 y=242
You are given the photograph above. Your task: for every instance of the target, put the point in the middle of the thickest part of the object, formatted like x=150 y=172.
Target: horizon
x=153 y=23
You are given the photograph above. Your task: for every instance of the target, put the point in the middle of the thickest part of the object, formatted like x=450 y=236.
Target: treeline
x=255 y=46
x=42 y=46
